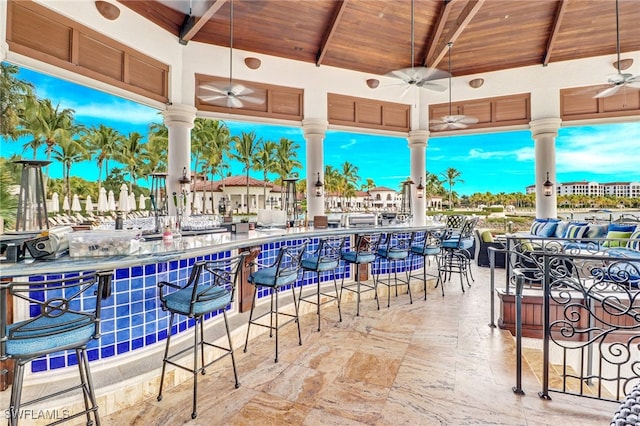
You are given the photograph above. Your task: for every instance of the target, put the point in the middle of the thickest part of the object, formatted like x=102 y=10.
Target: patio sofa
x=484 y=239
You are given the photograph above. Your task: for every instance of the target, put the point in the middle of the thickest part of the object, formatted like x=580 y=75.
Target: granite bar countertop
x=157 y=251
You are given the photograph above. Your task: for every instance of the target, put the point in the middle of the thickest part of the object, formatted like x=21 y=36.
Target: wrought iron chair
x=424 y=246
x=65 y=316
x=455 y=222
x=455 y=256
x=283 y=273
x=393 y=248
x=210 y=288
x=325 y=259
x=363 y=253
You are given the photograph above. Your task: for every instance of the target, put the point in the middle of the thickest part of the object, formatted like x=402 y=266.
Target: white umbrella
x=55 y=203
x=141 y=203
x=132 y=201
x=111 y=202
x=123 y=199
x=65 y=204
x=103 y=204
x=88 y=206
x=75 y=204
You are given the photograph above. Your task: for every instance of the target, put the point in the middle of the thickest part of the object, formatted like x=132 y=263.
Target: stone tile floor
x=433 y=362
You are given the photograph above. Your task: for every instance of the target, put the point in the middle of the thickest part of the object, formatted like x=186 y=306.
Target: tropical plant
x=69 y=151
x=8 y=200
x=287 y=158
x=48 y=125
x=13 y=101
x=245 y=152
x=132 y=155
x=102 y=142
x=452 y=176
x=266 y=162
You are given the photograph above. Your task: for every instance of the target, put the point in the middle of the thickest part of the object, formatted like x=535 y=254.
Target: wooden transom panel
x=368 y=113
x=578 y=103
x=491 y=112
x=281 y=102
x=38 y=32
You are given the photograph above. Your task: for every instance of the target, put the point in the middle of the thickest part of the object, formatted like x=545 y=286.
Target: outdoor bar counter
x=133 y=325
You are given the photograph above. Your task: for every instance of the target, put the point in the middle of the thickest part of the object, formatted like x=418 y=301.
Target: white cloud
x=122 y=111
x=348 y=144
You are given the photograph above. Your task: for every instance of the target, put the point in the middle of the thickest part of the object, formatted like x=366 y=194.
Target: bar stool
x=325 y=259
x=393 y=248
x=283 y=273
x=455 y=253
x=425 y=245
x=59 y=325
x=195 y=299
x=363 y=253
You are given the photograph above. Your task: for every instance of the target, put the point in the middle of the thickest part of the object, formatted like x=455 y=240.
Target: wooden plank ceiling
x=374 y=36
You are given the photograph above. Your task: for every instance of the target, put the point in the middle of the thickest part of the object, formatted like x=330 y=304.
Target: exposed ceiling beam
x=442 y=21
x=467 y=14
x=340 y=8
x=212 y=8
x=562 y=7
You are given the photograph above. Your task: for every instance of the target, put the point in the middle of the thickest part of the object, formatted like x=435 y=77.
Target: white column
x=544 y=132
x=314 y=131
x=179 y=120
x=418 y=151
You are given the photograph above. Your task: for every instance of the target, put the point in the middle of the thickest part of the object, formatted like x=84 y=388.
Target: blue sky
x=498 y=162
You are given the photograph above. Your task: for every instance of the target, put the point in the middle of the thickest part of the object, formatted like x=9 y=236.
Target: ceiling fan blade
x=406 y=89
x=402 y=74
x=213 y=88
x=240 y=89
x=633 y=81
x=441 y=126
x=234 y=102
x=428 y=74
x=432 y=86
x=608 y=92
x=212 y=98
x=465 y=119
x=457 y=125
x=251 y=99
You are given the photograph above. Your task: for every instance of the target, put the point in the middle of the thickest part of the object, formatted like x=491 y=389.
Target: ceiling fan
x=620 y=79
x=451 y=121
x=231 y=95
x=418 y=76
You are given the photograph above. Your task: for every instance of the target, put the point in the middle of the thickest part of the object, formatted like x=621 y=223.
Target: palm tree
x=68 y=151
x=245 y=152
x=332 y=179
x=452 y=176
x=213 y=151
x=287 y=157
x=14 y=99
x=49 y=125
x=350 y=179
x=266 y=161
x=132 y=155
x=102 y=141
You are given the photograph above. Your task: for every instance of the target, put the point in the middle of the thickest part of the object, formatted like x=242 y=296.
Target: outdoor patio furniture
x=210 y=288
x=325 y=260
x=282 y=274
x=66 y=317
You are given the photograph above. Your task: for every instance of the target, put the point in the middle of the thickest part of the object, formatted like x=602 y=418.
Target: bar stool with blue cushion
x=424 y=246
x=394 y=248
x=363 y=253
x=65 y=316
x=325 y=259
x=283 y=273
x=456 y=257
x=210 y=288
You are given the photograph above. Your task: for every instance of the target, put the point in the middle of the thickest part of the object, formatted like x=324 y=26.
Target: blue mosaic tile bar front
x=132 y=318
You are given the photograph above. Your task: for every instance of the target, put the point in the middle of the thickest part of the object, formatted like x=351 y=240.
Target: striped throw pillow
x=634 y=241
x=576 y=231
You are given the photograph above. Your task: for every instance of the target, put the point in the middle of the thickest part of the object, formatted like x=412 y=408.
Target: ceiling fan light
x=623 y=64
x=108 y=10
x=373 y=83
x=252 y=63
x=476 y=82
